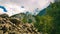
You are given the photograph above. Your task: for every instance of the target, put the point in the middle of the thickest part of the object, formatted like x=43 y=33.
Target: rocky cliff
x=11 y=25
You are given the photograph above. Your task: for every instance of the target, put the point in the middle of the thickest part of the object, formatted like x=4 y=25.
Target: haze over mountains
x=23 y=6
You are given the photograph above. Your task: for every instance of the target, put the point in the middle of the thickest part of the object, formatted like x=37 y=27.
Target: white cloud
x=14 y=6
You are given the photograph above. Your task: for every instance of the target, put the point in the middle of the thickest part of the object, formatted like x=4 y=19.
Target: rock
x=11 y=25
x=4 y=16
x=1 y=31
x=15 y=21
x=4 y=29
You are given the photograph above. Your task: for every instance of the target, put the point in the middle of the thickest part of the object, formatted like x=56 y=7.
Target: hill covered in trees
x=50 y=22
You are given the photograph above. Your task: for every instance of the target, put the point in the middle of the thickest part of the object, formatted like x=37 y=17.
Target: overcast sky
x=28 y=5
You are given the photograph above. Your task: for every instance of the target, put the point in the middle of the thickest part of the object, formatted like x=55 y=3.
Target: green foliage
x=44 y=23
x=49 y=23
x=54 y=11
x=30 y=21
x=25 y=18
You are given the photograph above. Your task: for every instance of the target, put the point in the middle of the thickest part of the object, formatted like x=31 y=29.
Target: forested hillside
x=50 y=22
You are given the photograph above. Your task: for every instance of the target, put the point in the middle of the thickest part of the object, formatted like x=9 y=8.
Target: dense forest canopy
x=50 y=22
